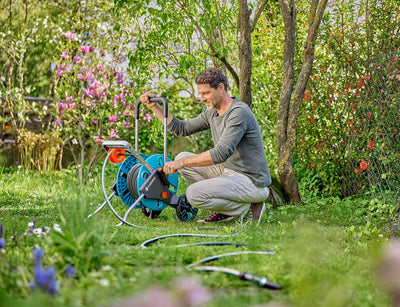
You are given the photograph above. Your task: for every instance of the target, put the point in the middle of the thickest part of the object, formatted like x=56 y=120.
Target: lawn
x=326 y=252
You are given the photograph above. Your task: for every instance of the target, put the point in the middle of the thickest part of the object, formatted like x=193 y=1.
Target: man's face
x=209 y=96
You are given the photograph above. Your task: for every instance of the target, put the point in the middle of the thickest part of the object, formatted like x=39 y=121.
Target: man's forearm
x=159 y=113
x=202 y=159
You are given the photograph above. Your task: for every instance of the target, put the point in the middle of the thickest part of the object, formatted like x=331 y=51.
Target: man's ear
x=221 y=87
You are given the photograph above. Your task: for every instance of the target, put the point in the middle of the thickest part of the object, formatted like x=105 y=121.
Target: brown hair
x=213 y=77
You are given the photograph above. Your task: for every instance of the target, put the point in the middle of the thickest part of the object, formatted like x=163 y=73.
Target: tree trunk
x=245 y=53
x=292 y=93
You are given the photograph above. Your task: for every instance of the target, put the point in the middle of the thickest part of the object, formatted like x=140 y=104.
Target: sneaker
x=217 y=217
x=257 y=211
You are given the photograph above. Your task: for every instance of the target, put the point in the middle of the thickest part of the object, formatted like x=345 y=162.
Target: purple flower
x=100 y=140
x=89 y=76
x=64 y=55
x=1 y=230
x=126 y=124
x=113 y=134
x=80 y=77
x=120 y=78
x=45 y=279
x=59 y=72
x=70 y=271
x=93 y=121
x=37 y=255
x=86 y=92
x=71 y=36
x=148 y=117
x=100 y=68
x=2 y=242
x=76 y=59
x=69 y=99
x=98 y=90
x=40 y=276
x=85 y=49
x=112 y=118
x=58 y=122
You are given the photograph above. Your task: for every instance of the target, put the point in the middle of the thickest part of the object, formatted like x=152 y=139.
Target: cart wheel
x=152 y=214
x=184 y=211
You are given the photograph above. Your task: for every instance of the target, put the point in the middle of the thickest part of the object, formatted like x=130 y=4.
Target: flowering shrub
x=349 y=129
x=93 y=100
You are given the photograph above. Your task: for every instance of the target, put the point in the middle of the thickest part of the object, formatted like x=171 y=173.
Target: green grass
x=326 y=251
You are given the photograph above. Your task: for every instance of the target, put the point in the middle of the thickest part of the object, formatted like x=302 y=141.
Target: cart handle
x=165 y=113
x=153 y=99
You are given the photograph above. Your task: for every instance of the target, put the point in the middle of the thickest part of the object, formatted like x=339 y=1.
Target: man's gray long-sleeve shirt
x=237 y=140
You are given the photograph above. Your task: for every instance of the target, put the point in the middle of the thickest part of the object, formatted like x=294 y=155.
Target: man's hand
x=145 y=99
x=172 y=167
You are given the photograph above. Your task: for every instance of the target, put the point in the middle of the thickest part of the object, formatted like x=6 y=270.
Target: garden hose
x=259 y=280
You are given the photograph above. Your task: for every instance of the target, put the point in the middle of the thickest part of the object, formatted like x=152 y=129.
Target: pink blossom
x=127 y=112
x=71 y=36
x=98 y=90
x=60 y=70
x=113 y=134
x=64 y=55
x=58 y=122
x=100 y=140
x=69 y=99
x=91 y=49
x=67 y=68
x=76 y=59
x=102 y=53
x=86 y=92
x=100 y=68
x=112 y=118
x=85 y=49
x=126 y=124
x=120 y=78
x=148 y=117
x=80 y=77
x=89 y=76
x=94 y=121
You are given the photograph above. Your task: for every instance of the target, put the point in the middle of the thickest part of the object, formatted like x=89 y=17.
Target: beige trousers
x=220 y=189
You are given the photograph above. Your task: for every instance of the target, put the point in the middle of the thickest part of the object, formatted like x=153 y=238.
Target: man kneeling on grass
x=232 y=177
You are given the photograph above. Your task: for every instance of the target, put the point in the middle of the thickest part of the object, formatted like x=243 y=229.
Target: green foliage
x=180 y=38
x=348 y=129
x=328 y=243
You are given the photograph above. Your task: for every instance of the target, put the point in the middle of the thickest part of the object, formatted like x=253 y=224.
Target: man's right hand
x=145 y=99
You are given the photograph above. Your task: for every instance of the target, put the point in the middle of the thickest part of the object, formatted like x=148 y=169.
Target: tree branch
x=257 y=15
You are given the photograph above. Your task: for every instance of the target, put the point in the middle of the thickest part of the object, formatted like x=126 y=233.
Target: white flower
x=3 y=78
x=57 y=228
x=31 y=224
x=106 y=268
x=38 y=232
x=104 y=282
x=45 y=108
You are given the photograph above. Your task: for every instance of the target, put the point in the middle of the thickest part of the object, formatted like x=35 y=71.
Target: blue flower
x=2 y=242
x=40 y=276
x=45 y=279
x=70 y=271
x=1 y=230
x=37 y=255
